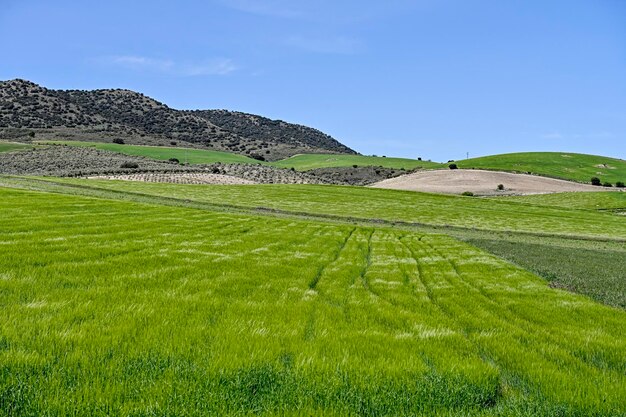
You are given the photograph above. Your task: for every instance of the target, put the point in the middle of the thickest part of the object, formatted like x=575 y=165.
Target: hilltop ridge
x=97 y=115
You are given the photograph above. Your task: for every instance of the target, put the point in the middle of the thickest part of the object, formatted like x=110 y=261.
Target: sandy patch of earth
x=179 y=178
x=480 y=182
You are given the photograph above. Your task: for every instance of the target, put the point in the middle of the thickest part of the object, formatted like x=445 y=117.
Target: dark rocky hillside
x=103 y=115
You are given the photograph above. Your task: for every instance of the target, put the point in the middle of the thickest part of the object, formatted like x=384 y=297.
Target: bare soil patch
x=480 y=182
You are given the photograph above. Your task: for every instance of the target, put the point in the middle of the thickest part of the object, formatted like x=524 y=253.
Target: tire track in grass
x=313 y=283
x=309 y=330
x=503 y=318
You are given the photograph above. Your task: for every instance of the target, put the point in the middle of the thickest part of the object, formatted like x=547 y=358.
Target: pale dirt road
x=480 y=182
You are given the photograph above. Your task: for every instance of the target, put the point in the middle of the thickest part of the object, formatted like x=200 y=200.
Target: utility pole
x=466 y=155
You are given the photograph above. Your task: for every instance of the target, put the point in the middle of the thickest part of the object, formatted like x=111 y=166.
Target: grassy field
x=569 y=166
x=118 y=308
x=12 y=146
x=312 y=161
x=591 y=201
x=184 y=155
x=389 y=205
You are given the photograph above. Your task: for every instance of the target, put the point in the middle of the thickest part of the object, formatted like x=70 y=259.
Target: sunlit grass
x=390 y=205
x=566 y=165
x=118 y=308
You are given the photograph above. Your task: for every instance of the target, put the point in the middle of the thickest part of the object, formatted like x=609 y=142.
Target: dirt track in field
x=179 y=178
x=480 y=182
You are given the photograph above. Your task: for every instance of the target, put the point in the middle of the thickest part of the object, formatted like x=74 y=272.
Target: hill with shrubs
x=28 y=110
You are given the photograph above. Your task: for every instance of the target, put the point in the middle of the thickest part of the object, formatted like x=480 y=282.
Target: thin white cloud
x=216 y=66
x=575 y=136
x=329 y=45
x=552 y=135
x=274 y=8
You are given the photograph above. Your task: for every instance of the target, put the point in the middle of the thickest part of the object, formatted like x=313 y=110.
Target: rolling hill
x=568 y=166
x=101 y=115
x=314 y=161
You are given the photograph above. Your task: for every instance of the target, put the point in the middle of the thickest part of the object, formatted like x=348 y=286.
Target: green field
x=120 y=308
x=184 y=155
x=583 y=200
x=13 y=146
x=312 y=161
x=569 y=166
x=388 y=205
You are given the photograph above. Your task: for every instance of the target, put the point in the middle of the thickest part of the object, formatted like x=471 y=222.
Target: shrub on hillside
x=118 y=141
x=607 y=184
x=501 y=187
x=174 y=160
x=355 y=166
x=453 y=166
x=257 y=156
x=468 y=194
x=129 y=165
x=595 y=181
x=619 y=184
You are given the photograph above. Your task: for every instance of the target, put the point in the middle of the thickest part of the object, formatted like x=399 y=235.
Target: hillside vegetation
x=183 y=155
x=114 y=307
x=98 y=115
x=569 y=166
x=12 y=146
x=314 y=161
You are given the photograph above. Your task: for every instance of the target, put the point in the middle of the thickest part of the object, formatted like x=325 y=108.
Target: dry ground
x=479 y=182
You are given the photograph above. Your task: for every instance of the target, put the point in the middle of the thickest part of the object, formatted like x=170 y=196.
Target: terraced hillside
x=121 y=307
x=569 y=166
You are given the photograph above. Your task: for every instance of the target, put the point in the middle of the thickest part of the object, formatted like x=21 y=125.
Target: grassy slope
x=118 y=308
x=392 y=205
x=312 y=161
x=591 y=201
x=12 y=146
x=192 y=156
x=570 y=166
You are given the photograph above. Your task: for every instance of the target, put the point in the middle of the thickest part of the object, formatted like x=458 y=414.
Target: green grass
x=389 y=205
x=119 y=308
x=312 y=161
x=582 y=200
x=184 y=155
x=13 y=146
x=593 y=269
x=569 y=166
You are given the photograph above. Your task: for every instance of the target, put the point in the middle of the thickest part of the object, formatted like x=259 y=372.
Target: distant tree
x=174 y=160
x=256 y=156
x=501 y=187
x=452 y=166
x=607 y=184
x=619 y=184
x=355 y=166
x=173 y=143
x=419 y=158
x=31 y=134
x=118 y=141
x=468 y=193
x=595 y=181
x=129 y=165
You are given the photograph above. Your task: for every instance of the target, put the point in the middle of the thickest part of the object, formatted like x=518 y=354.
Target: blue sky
x=425 y=78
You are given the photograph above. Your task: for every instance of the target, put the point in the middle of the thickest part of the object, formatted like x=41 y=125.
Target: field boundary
x=45 y=185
